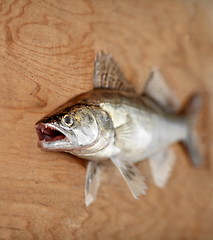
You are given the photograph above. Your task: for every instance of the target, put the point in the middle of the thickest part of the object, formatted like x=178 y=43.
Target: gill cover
x=84 y=125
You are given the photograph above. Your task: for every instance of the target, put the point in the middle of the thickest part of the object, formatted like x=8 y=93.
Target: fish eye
x=67 y=120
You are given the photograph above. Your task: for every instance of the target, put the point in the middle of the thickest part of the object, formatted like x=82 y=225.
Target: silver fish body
x=114 y=123
x=132 y=125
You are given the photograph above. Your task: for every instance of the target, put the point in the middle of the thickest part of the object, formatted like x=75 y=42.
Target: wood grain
x=47 y=50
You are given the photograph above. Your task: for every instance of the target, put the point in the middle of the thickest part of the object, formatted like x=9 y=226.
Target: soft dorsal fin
x=157 y=89
x=107 y=74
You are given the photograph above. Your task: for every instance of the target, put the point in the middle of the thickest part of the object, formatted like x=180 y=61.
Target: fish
x=112 y=122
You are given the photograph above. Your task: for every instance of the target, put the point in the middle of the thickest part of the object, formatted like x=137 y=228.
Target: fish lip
x=46 y=136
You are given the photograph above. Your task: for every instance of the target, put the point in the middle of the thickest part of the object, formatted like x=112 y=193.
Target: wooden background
x=47 y=48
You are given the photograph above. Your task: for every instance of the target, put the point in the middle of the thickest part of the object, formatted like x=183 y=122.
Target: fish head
x=68 y=129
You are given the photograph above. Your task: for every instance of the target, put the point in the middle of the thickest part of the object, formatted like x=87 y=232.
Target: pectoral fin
x=157 y=89
x=161 y=165
x=107 y=74
x=93 y=179
x=123 y=134
x=132 y=176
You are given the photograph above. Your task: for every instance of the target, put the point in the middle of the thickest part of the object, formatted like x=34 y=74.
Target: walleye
x=112 y=122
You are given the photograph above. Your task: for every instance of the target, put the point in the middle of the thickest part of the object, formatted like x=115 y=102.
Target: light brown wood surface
x=47 y=50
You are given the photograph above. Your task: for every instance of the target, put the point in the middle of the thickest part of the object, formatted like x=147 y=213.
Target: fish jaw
x=54 y=138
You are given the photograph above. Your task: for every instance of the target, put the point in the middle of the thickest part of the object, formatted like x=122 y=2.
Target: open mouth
x=46 y=133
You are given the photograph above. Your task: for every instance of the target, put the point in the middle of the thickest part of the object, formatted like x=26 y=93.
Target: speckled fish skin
x=146 y=123
x=114 y=123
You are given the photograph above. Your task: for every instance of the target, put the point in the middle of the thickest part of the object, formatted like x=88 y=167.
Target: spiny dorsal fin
x=157 y=89
x=107 y=74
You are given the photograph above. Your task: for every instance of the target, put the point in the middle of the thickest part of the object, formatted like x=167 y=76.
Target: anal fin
x=161 y=165
x=132 y=176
